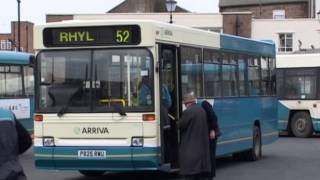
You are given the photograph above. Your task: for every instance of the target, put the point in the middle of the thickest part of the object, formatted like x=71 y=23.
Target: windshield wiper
x=119 y=109
x=63 y=110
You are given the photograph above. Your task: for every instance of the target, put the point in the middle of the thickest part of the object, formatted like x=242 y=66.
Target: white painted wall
x=195 y=20
x=305 y=30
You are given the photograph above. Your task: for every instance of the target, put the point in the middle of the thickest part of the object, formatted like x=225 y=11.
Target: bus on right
x=298 y=84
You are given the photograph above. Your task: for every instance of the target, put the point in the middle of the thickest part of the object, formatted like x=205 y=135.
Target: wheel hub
x=301 y=124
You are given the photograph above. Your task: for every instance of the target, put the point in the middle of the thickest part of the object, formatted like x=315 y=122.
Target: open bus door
x=170 y=105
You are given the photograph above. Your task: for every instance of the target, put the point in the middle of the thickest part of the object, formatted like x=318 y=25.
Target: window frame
x=279 y=14
x=3 y=44
x=286 y=47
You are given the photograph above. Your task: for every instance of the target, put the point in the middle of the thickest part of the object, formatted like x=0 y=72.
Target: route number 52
x=122 y=36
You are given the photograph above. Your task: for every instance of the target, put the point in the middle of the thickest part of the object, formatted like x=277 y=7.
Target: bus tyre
x=255 y=153
x=91 y=173
x=301 y=125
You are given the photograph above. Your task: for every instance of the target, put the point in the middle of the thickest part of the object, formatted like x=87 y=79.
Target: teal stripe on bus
x=117 y=158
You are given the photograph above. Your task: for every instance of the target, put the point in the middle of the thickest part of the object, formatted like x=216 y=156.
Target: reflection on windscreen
x=97 y=80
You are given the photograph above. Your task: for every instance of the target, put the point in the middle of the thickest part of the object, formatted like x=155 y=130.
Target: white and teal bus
x=108 y=93
x=298 y=84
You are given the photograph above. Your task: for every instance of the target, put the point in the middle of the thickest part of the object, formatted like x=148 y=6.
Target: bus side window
x=272 y=68
x=229 y=75
x=265 y=74
x=191 y=67
x=254 y=76
x=212 y=73
x=242 y=69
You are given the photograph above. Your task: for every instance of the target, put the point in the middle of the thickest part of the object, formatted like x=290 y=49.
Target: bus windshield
x=96 y=80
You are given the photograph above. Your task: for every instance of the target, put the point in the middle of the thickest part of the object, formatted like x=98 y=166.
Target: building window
x=285 y=42
x=3 y=44
x=9 y=45
x=279 y=14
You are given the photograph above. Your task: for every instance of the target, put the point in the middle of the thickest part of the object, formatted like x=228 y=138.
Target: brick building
x=128 y=7
x=149 y=10
x=9 y=41
x=271 y=9
x=293 y=25
x=143 y=6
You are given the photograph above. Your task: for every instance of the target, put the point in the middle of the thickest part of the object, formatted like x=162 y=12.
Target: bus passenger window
x=191 y=70
x=212 y=74
x=242 y=69
x=229 y=74
x=254 y=76
x=265 y=75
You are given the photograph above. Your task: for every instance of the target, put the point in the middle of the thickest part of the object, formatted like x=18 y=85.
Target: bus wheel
x=91 y=173
x=301 y=125
x=256 y=151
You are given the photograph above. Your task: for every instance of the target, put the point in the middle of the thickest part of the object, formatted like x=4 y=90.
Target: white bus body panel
x=313 y=106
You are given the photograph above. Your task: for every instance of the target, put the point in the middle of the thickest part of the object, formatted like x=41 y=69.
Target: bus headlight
x=137 y=141
x=48 y=141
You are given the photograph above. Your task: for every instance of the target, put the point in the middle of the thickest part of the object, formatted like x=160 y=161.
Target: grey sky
x=35 y=10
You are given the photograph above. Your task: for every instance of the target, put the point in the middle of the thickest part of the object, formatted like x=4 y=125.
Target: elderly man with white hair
x=194 y=147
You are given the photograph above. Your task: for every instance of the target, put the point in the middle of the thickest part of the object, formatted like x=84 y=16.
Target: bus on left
x=17 y=86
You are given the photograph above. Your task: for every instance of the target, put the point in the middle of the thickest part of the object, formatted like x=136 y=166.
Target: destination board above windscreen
x=92 y=36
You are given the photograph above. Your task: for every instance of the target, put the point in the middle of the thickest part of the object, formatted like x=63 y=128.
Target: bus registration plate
x=92 y=154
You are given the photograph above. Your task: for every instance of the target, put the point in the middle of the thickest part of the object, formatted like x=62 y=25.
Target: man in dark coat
x=214 y=133
x=10 y=168
x=194 y=144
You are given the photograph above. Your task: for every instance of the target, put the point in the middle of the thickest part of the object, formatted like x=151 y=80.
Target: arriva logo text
x=95 y=130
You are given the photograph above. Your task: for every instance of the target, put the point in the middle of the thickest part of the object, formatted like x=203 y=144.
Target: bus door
x=169 y=106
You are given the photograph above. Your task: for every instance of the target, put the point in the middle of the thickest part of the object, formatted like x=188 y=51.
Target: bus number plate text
x=92 y=154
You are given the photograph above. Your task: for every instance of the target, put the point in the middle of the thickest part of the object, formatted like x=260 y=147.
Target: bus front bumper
x=116 y=158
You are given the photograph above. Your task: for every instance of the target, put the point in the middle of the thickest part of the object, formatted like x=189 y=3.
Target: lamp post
x=171 y=7
x=19 y=44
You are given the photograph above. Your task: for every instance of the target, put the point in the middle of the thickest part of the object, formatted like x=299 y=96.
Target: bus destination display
x=92 y=36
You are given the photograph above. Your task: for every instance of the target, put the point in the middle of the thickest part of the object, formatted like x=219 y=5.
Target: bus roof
x=17 y=58
x=155 y=31
x=240 y=44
